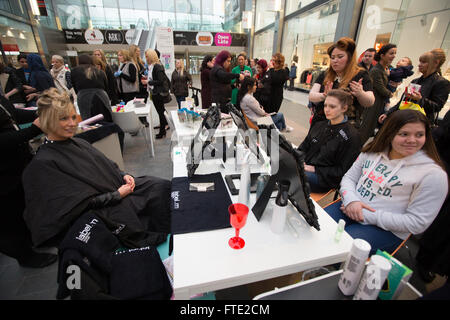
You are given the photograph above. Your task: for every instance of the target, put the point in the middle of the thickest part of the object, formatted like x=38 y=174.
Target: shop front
x=16 y=37
x=306 y=38
x=415 y=26
x=193 y=46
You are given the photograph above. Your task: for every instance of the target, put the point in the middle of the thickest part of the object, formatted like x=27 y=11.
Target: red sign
x=11 y=47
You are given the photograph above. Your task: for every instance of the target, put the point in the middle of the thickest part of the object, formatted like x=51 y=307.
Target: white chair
x=129 y=122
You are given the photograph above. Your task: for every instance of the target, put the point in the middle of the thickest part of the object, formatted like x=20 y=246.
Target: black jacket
x=264 y=90
x=331 y=149
x=277 y=80
x=15 y=153
x=159 y=80
x=221 y=84
x=13 y=83
x=434 y=90
x=180 y=83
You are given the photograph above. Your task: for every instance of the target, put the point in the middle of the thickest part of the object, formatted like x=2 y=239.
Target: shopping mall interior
x=185 y=32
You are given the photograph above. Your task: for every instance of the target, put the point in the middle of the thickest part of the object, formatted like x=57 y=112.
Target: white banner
x=165 y=46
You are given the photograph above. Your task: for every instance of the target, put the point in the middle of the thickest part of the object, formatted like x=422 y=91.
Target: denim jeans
x=377 y=237
x=278 y=120
x=179 y=99
x=314 y=184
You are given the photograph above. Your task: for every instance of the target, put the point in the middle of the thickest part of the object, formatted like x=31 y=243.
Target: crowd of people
x=390 y=165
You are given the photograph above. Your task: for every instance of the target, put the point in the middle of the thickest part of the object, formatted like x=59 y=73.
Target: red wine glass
x=238 y=218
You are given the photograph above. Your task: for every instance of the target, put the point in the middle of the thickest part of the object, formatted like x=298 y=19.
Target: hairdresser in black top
x=379 y=75
x=15 y=237
x=434 y=88
x=332 y=145
x=343 y=73
x=220 y=79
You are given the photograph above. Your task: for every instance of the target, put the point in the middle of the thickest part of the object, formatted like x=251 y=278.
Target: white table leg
x=150 y=130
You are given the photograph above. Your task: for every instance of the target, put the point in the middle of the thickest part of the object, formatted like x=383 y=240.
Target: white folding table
x=204 y=262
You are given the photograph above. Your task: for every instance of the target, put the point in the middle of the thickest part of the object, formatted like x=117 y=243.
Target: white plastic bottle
x=373 y=278
x=244 y=188
x=354 y=267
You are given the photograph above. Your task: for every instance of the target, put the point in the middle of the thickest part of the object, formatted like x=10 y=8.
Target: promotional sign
x=166 y=48
x=114 y=36
x=219 y=39
x=222 y=39
x=204 y=39
x=94 y=36
x=97 y=36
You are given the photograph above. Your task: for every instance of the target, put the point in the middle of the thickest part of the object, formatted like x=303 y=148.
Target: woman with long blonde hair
x=112 y=83
x=158 y=88
x=181 y=81
x=343 y=73
x=135 y=54
x=127 y=76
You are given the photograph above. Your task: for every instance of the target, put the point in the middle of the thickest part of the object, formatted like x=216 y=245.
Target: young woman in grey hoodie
x=397 y=185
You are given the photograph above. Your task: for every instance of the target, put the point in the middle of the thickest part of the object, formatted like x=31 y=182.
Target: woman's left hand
x=356 y=87
x=309 y=168
x=129 y=180
x=416 y=96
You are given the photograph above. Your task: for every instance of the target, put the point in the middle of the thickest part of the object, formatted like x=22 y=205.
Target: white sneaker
x=289 y=129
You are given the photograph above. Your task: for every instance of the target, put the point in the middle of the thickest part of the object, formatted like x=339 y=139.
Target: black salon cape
x=107 y=270
x=65 y=175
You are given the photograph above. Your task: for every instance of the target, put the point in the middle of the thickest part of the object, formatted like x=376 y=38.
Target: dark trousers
x=314 y=183
x=291 y=83
x=15 y=237
x=159 y=106
x=179 y=99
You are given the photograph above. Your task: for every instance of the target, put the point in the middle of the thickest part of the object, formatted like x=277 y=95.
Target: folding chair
x=129 y=122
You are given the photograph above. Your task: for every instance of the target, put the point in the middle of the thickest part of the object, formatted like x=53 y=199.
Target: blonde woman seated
x=253 y=110
x=68 y=177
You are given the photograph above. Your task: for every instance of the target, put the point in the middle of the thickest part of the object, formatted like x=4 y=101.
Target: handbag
x=404 y=104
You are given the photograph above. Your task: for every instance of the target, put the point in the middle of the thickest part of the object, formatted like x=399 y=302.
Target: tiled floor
x=40 y=284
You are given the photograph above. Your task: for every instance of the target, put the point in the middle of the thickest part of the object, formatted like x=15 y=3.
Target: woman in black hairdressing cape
x=68 y=177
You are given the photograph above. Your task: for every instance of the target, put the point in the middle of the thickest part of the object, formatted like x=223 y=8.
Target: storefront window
x=294 y=5
x=265 y=13
x=306 y=39
x=415 y=26
x=16 y=7
x=263 y=45
x=16 y=37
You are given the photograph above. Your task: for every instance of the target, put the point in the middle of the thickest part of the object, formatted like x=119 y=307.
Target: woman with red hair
x=220 y=79
x=278 y=75
x=263 y=90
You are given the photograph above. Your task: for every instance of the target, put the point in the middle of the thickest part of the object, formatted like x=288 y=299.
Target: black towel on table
x=194 y=211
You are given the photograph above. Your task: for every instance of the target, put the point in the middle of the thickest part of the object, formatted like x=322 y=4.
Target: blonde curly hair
x=52 y=105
